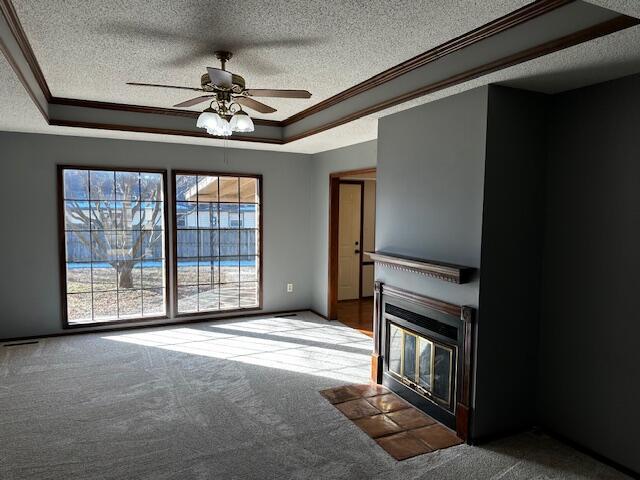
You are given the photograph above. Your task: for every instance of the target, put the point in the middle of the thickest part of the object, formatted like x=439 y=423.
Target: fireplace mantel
x=443 y=271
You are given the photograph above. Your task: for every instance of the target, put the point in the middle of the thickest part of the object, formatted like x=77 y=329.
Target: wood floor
x=357 y=314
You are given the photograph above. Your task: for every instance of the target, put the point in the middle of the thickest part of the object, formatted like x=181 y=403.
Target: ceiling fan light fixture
x=228 y=91
x=225 y=128
x=221 y=129
x=208 y=119
x=241 y=122
x=214 y=123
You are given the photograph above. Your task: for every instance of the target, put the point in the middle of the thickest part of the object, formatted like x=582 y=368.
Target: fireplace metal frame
x=453 y=366
x=454 y=315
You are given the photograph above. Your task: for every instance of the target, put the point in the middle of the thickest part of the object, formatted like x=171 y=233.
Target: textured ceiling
x=602 y=59
x=324 y=47
x=19 y=114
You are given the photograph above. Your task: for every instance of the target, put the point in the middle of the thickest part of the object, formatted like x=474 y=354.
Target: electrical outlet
x=289 y=287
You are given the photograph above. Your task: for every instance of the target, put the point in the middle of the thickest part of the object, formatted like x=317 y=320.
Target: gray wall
x=460 y=181
x=362 y=155
x=30 y=289
x=510 y=286
x=430 y=190
x=590 y=349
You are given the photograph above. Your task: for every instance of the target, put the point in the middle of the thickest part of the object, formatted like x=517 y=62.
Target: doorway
x=351 y=235
x=350 y=239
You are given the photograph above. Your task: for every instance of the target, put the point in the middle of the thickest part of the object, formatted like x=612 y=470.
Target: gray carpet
x=225 y=400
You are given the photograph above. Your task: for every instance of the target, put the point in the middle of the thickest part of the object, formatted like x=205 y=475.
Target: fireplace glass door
x=423 y=364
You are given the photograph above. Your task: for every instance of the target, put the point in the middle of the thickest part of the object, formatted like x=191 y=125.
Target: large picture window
x=217 y=242
x=114 y=238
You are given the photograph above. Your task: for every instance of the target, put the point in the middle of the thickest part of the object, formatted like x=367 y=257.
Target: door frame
x=334 y=221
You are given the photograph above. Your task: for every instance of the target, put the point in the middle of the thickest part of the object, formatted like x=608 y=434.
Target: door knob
x=357 y=251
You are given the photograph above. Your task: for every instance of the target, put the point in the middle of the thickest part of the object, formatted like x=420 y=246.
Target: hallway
x=357 y=314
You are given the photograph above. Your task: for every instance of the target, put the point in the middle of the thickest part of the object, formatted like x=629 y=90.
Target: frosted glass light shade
x=241 y=122
x=224 y=128
x=217 y=125
x=208 y=119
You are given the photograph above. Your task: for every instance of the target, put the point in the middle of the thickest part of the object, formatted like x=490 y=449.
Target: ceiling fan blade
x=220 y=78
x=270 y=92
x=254 y=104
x=164 y=86
x=193 y=101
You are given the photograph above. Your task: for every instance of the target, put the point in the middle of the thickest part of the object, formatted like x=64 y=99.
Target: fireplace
x=422 y=351
x=422 y=363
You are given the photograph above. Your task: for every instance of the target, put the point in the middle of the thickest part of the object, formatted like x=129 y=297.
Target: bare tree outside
x=114 y=243
x=114 y=236
x=131 y=215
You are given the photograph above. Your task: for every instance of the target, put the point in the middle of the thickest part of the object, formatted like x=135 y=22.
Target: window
x=114 y=235
x=217 y=242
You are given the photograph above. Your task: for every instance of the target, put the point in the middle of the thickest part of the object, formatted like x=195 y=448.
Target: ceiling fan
x=227 y=94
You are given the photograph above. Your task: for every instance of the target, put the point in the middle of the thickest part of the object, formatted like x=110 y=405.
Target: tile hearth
x=398 y=427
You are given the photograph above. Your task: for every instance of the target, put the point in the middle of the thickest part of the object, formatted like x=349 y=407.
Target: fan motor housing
x=238 y=83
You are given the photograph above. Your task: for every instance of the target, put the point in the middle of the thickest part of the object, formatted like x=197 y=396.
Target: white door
x=349 y=242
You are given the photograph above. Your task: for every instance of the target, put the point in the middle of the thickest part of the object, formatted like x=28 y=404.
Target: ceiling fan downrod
x=223 y=56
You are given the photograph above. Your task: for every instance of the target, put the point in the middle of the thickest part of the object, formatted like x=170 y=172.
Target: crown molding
x=605 y=28
x=160 y=131
x=125 y=107
x=9 y=12
x=16 y=68
x=373 y=95
x=524 y=14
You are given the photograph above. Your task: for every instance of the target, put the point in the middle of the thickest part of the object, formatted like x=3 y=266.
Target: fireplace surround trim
x=464 y=313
